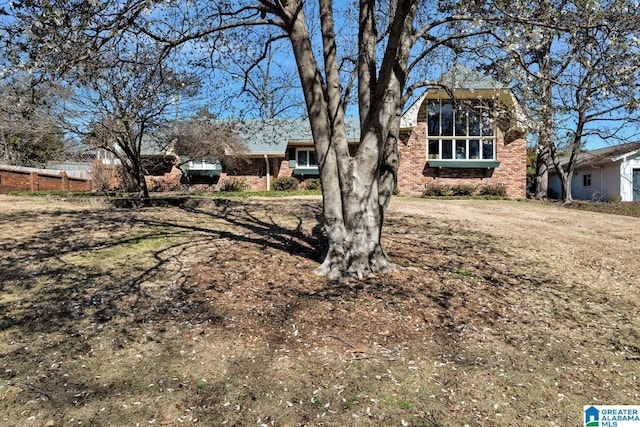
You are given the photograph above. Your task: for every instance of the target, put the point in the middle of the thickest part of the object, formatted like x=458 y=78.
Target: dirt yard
x=207 y=313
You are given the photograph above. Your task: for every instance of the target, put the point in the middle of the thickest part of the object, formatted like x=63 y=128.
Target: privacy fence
x=18 y=178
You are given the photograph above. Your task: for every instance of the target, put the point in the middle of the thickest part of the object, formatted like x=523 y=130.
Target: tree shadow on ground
x=445 y=265
x=53 y=258
x=235 y=270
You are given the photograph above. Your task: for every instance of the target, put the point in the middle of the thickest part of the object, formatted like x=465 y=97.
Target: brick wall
x=414 y=173
x=170 y=181
x=30 y=179
x=253 y=171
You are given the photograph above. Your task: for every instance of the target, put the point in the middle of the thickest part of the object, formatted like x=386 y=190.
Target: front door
x=636 y=185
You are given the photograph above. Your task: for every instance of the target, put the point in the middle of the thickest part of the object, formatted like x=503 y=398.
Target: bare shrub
x=287 y=183
x=233 y=184
x=436 y=190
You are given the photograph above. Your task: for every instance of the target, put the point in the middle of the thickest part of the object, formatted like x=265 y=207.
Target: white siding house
x=611 y=173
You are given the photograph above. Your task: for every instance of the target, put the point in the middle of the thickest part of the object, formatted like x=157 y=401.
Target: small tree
x=29 y=133
x=574 y=66
x=127 y=103
x=201 y=138
x=599 y=90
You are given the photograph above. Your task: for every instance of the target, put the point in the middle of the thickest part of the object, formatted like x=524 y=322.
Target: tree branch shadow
x=453 y=278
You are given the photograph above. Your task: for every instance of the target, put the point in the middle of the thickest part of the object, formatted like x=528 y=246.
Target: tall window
x=306 y=158
x=459 y=131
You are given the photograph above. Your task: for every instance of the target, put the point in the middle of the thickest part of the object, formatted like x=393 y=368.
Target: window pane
x=474 y=149
x=488 y=150
x=313 y=158
x=461 y=150
x=302 y=158
x=474 y=122
x=487 y=124
x=434 y=149
x=461 y=120
x=447 y=118
x=433 y=118
x=447 y=149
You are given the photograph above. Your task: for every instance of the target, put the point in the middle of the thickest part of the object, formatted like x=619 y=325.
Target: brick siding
x=27 y=179
x=414 y=173
x=253 y=171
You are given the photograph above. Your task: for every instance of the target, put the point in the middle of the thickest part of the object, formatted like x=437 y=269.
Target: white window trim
x=309 y=150
x=467 y=139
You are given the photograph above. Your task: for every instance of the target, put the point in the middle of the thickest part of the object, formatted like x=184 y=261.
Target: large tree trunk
x=356 y=188
x=541 y=190
x=545 y=135
x=354 y=245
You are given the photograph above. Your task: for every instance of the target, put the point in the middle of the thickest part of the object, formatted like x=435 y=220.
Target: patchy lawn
x=615 y=208
x=206 y=312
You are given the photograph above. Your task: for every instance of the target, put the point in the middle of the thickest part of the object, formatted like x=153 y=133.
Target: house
x=274 y=149
x=464 y=130
x=609 y=173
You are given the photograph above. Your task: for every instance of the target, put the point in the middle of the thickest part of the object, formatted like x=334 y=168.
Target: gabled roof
x=459 y=76
x=273 y=136
x=465 y=82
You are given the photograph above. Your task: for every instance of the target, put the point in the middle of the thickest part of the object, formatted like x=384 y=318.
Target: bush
x=313 y=184
x=287 y=183
x=125 y=181
x=435 y=190
x=164 y=184
x=493 y=190
x=233 y=185
x=462 y=190
x=104 y=179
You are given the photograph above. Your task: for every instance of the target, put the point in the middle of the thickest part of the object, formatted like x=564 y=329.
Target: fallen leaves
x=224 y=324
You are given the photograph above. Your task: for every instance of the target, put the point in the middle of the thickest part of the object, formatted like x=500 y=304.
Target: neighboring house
x=78 y=169
x=610 y=173
x=106 y=158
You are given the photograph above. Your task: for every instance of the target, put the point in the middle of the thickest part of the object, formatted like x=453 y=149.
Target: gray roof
x=273 y=136
x=460 y=76
x=608 y=154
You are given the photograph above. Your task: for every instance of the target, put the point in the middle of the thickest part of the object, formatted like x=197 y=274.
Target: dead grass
x=616 y=208
x=206 y=312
